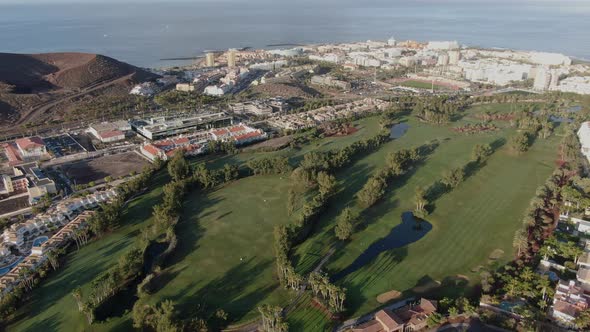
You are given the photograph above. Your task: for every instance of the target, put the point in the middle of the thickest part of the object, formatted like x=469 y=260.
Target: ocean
x=143 y=33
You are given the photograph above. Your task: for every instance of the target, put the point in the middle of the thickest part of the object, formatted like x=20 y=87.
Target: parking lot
x=63 y=145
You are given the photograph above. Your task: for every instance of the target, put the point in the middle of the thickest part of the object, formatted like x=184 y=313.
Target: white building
x=584 y=137
x=568 y=302
x=454 y=57
x=217 y=90
x=329 y=57
x=542 y=79
x=442 y=45
x=577 y=84
x=442 y=60
x=391 y=41
x=550 y=59
x=31 y=147
x=144 y=89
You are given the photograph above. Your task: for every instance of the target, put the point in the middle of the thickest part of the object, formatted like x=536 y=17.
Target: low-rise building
x=408 y=318
x=31 y=148
x=330 y=81
x=568 y=302
x=584 y=137
x=108 y=132
x=38 y=183
x=161 y=127
x=185 y=87
x=165 y=149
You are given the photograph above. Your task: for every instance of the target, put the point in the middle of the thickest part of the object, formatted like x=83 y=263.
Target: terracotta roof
x=388 y=319
x=11 y=154
x=154 y=151
x=237 y=129
x=220 y=132
x=247 y=135
x=565 y=308
x=29 y=142
x=370 y=326
x=181 y=140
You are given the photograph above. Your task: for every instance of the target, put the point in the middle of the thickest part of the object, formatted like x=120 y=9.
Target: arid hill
x=30 y=73
x=37 y=88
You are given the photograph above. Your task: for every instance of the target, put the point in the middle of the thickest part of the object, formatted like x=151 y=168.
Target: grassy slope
x=469 y=223
x=421 y=85
x=52 y=307
x=225 y=257
x=367 y=127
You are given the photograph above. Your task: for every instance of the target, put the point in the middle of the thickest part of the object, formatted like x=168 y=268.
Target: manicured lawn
x=422 y=85
x=367 y=127
x=53 y=308
x=306 y=317
x=225 y=256
x=479 y=216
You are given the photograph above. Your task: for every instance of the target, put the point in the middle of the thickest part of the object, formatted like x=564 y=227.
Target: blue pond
x=399 y=130
x=39 y=241
x=7 y=269
x=399 y=236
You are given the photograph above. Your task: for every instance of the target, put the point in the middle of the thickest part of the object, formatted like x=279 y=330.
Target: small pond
x=399 y=130
x=400 y=236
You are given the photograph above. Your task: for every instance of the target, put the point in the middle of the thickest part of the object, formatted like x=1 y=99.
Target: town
x=300 y=124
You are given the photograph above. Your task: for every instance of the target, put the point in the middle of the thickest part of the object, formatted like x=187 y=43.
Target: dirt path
x=42 y=108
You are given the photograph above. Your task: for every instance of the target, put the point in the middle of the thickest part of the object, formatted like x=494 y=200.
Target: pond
x=7 y=268
x=399 y=130
x=39 y=241
x=400 y=236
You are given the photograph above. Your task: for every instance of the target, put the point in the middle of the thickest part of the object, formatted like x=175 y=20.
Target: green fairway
x=224 y=257
x=479 y=216
x=53 y=308
x=367 y=128
x=422 y=85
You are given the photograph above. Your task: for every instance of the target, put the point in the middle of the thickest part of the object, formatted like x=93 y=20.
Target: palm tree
x=520 y=242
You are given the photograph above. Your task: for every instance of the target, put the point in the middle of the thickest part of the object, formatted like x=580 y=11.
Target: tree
x=420 y=211
x=519 y=242
x=481 y=152
x=230 y=172
x=178 y=167
x=453 y=177
x=520 y=142
x=346 y=224
x=583 y=319
x=372 y=191
x=326 y=184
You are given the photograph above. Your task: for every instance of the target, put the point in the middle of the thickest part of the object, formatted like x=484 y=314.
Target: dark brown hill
x=37 y=88
x=29 y=73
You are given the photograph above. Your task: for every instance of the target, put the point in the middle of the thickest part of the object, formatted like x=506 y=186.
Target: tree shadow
x=227 y=292
x=355 y=285
x=188 y=229
x=49 y=324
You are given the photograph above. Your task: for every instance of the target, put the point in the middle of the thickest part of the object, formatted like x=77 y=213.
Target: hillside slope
x=36 y=87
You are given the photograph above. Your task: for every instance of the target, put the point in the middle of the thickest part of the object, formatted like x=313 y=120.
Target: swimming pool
x=7 y=269
x=39 y=241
